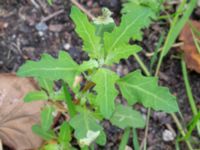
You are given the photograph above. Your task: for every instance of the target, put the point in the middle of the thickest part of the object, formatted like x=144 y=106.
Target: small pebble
x=66 y=46
x=41 y=33
x=167 y=135
x=128 y=148
x=55 y=113
x=41 y=26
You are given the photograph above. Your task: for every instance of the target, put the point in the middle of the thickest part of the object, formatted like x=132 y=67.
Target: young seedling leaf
x=47 y=118
x=137 y=88
x=86 y=128
x=86 y=30
x=68 y=101
x=51 y=68
x=46 y=135
x=125 y=116
x=106 y=92
x=46 y=84
x=53 y=146
x=123 y=51
x=50 y=2
x=57 y=95
x=131 y=24
x=35 y=96
x=154 y=5
x=86 y=65
x=104 y=23
x=64 y=136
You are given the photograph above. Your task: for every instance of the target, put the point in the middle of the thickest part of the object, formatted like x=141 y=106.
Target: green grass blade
x=154 y=58
x=175 y=29
x=189 y=92
x=124 y=140
x=135 y=140
x=68 y=100
x=192 y=126
x=195 y=41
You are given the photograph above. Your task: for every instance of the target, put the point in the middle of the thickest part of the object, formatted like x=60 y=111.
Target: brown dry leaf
x=191 y=55
x=17 y=117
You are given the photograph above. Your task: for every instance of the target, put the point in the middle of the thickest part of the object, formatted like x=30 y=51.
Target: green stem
x=125 y=138
x=189 y=91
x=147 y=128
x=142 y=65
x=181 y=130
x=188 y=88
x=146 y=71
x=135 y=140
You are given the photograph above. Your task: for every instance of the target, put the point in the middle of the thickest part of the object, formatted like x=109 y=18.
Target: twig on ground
x=52 y=15
x=144 y=141
x=83 y=9
x=35 y=4
x=173 y=46
x=43 y=6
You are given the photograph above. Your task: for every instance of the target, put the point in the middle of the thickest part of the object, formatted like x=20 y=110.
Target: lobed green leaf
x=137 y=88
x=123 y=51
x=35 y=96
x=106 y=92
x=131 y=24
x=64 y=67
x=86 y=30
x=84 y=125
x=125 y=116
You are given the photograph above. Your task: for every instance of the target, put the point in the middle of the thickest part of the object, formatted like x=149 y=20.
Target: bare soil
x=23 y=37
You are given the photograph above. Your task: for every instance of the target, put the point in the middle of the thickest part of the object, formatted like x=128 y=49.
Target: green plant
x=50 y=2
x=153 y=7
x=181 y=17
x=105 y=44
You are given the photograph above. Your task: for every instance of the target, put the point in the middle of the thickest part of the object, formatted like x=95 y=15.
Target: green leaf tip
x=87 y=32
x=63 y=67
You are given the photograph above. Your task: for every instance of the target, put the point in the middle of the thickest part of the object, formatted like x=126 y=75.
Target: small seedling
x=105 y=44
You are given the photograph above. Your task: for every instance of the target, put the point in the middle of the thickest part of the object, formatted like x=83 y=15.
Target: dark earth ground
x=21 y=38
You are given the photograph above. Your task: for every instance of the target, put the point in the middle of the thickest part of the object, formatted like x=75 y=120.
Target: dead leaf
x=191 y=55
x=17 y=117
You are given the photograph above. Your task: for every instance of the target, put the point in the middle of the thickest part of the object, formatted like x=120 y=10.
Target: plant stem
x=147 y=128
x=189 y=91
x=135 y=140
x=181 y=130
x=178 y=124
x=144 y=68
x=125 y=138
x=142 y=65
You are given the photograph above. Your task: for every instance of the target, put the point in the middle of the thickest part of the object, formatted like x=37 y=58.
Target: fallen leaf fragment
x=17 y=117
x=191 y=54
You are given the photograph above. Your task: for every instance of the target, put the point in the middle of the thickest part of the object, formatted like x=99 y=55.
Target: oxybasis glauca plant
x=105 y=44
